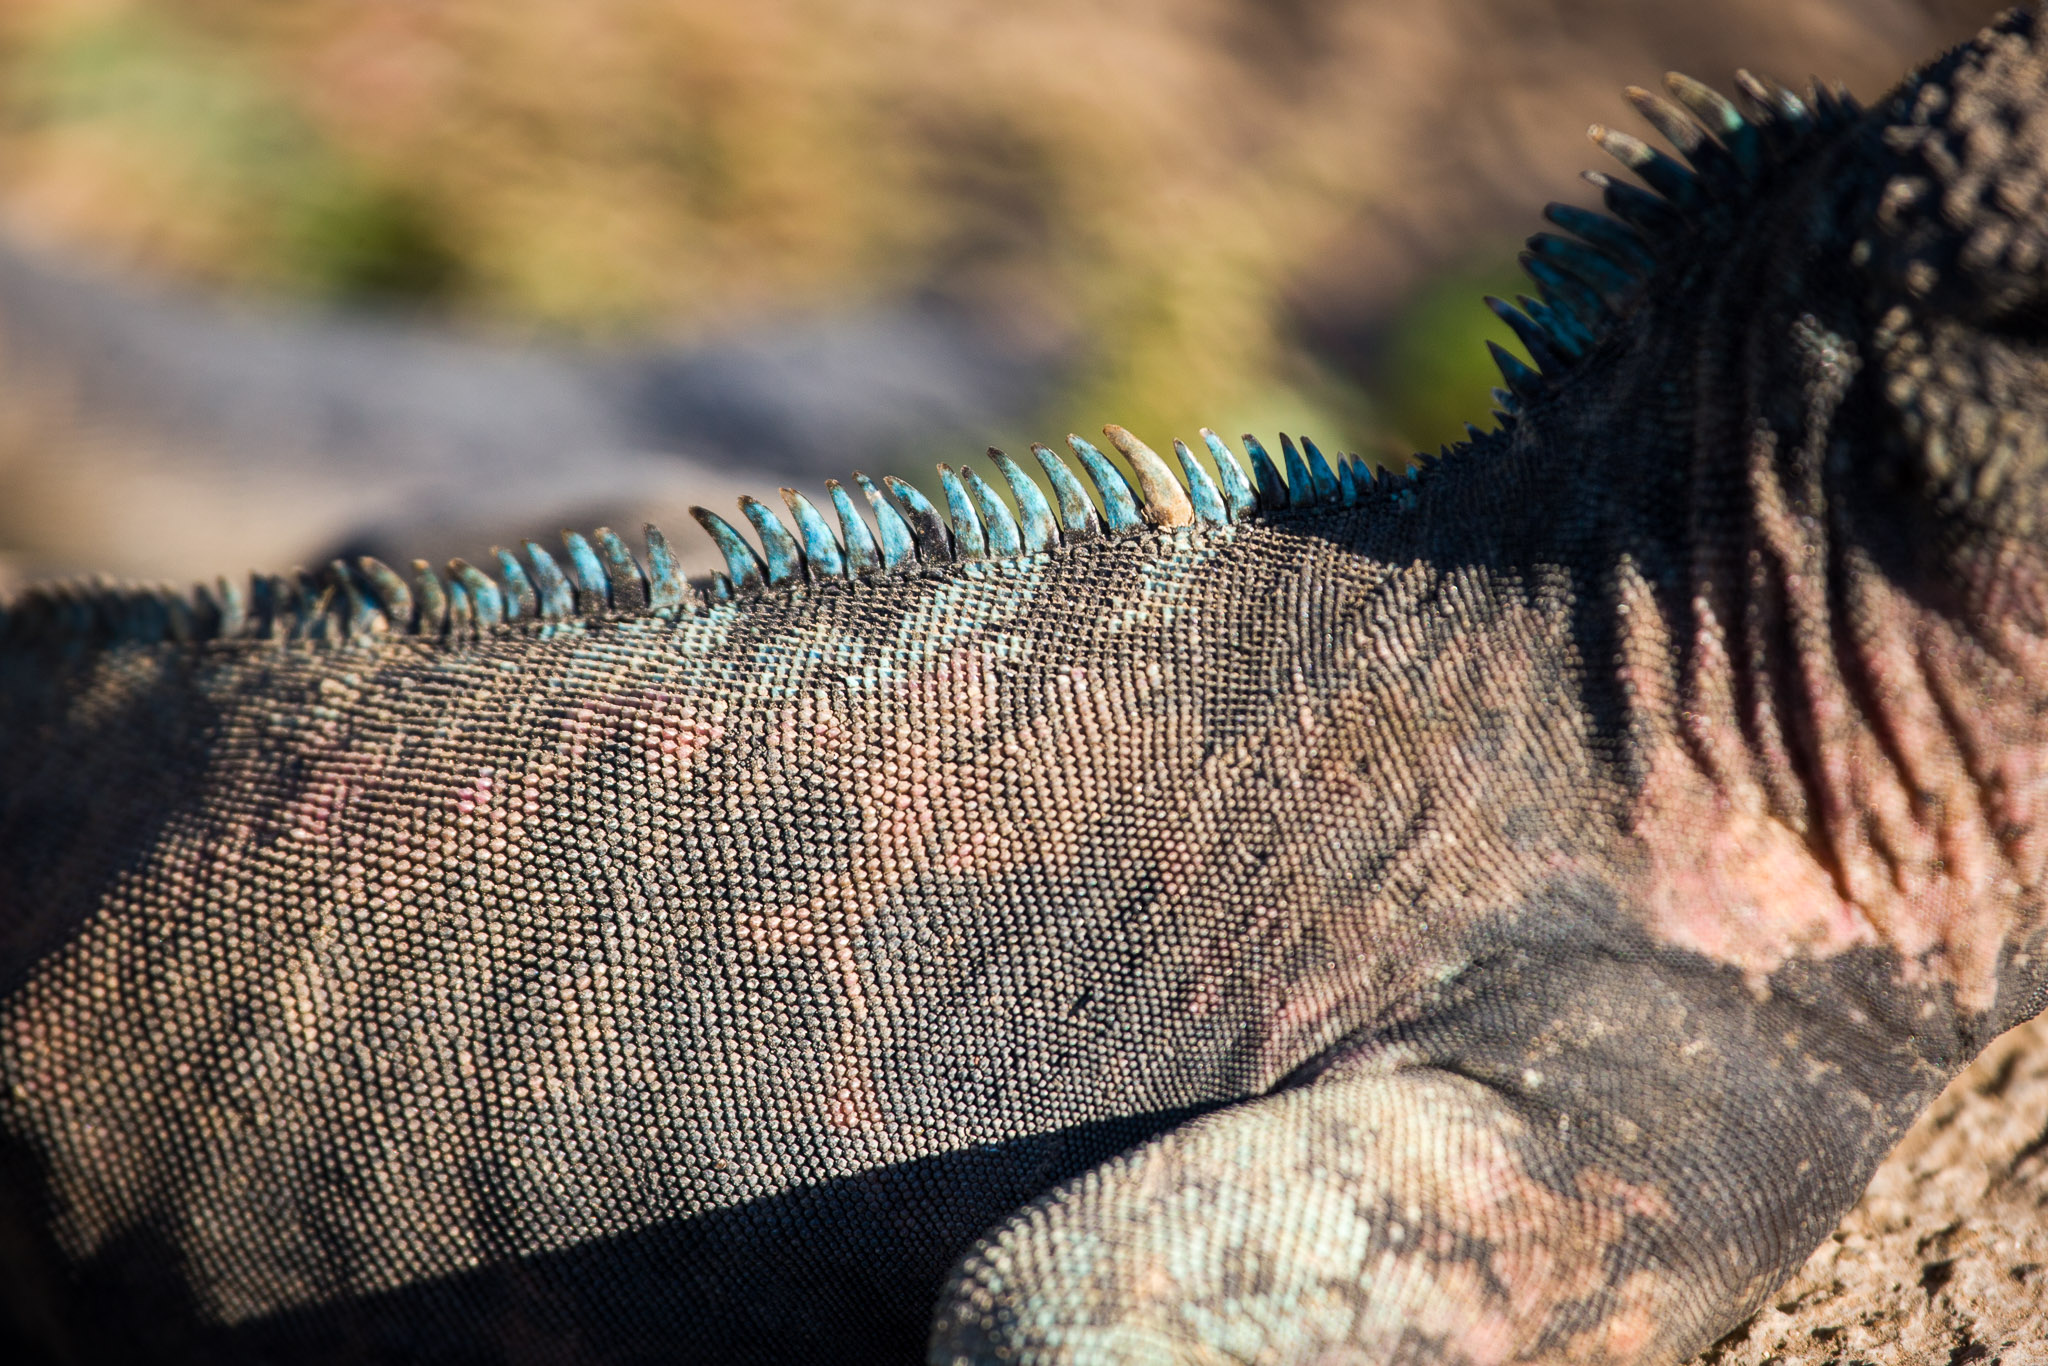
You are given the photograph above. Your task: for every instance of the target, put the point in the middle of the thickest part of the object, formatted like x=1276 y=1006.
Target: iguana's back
x=753 y=946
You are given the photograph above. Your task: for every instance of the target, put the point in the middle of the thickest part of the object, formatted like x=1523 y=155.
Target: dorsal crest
x=600 y=574
x=1735 y=152
x=1584 y=283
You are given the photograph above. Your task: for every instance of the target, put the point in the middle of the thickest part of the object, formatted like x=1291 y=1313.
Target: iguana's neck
x=1839 y=732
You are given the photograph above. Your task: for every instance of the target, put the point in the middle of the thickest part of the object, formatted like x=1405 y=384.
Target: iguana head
x=1952 y=255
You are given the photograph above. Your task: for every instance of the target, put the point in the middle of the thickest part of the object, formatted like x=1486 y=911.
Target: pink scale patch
x=476 y=793
x=853 y=1104
x=337 y=780
x=666 y=731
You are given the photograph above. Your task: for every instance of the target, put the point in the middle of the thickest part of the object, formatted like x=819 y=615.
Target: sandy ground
x=1945 y=1259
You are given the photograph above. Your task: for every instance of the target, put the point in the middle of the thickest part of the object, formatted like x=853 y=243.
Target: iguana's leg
x=1609 y=1159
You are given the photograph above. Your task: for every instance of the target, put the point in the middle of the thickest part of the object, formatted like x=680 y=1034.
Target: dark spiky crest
x=1585 y=282
x=1734 y=153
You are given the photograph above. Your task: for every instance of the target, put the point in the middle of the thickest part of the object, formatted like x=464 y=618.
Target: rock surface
x=1945 y=1259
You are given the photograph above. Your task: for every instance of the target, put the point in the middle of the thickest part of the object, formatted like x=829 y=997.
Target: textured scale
x=863 y=556
x=897 y=547
x=1005 y=541
x=969 y=541
x=626 y=585
x=821 y=548
x=1473 y=914
x=1119 y=508
x=556 y=599
x=592 y=586
x=928 y=527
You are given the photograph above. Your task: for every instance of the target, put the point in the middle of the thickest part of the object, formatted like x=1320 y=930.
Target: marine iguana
x=1499 y=913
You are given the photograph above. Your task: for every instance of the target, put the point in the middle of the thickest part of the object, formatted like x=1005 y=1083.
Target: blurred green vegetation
x=1435 y=373
x=262 y=197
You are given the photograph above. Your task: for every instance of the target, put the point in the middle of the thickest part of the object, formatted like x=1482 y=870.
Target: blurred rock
x=150 y=434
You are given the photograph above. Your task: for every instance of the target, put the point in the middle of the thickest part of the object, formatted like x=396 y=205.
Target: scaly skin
x=1499 y=916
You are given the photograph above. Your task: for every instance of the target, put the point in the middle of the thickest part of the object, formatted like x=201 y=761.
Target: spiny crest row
x=1585 y=283
x=1588 y=280
x=601 y=573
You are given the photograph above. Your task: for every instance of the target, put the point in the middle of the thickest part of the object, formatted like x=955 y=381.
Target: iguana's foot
x=1608 y=1159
